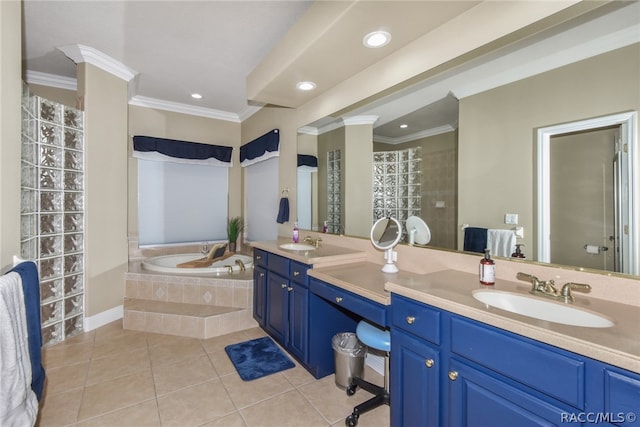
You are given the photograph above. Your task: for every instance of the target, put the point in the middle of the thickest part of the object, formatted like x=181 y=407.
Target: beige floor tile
x=233 y=420
x=165 y=354
x=163 y=339
x=60 y=409
x=169 y=378
x=112 y=330
x=65 y=378
x=215 y=344
x=332 y=402
x=288 y=409
x=298 y=376
x=66 y=354
x=143 y=414
x=193 y=406
x=245 y=393
x=222 y=363
x=116 y=394
x=379 y=417
x=118 y=365
x=108 y=346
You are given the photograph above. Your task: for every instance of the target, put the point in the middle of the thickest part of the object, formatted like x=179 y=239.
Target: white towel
x=18 y=403
x=501 y=242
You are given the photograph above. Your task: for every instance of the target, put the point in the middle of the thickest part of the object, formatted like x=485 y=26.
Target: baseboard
x=101 y=319
x=375 y=362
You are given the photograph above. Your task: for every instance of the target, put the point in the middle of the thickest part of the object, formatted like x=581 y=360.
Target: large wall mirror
x=462 y=148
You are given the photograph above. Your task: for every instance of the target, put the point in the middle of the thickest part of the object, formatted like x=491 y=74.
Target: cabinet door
x=298 y=321
x=277 y=307
x=259 y=294
x=415 y=388
x=478 y=399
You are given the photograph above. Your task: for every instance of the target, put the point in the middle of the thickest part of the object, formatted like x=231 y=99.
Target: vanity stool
x=377 y=338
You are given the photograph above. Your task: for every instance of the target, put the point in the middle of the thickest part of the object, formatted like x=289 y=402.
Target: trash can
x=349 y=355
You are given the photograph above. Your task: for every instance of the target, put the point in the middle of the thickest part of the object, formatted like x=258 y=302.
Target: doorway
x=587 y=203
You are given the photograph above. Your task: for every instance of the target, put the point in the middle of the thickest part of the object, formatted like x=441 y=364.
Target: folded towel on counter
x=501 y=242
x=31 y=290
x=18 y=402
x=283 y=211
x=475 y=239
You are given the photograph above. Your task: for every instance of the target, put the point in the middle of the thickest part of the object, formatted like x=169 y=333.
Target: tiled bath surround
x=199 y=307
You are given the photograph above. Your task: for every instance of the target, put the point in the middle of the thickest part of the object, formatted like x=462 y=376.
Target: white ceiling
x=176 y=47
x=212 y=47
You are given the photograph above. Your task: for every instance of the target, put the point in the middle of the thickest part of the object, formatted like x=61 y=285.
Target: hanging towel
x=501 y=242
x=18 y=403
x=475 y=239
x=283 y=211
x=31 y=289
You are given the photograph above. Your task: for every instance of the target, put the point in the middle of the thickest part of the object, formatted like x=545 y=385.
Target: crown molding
x=359 y=120
x=51 y=80
x=79 y=53
x=176 y=107
x=309 y=130
x=414 y=136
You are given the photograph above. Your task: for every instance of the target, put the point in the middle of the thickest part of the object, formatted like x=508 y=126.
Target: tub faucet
x=240 y=264
x=229 y=268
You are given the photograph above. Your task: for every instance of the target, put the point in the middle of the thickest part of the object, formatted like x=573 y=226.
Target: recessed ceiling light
x=404 y=126
x=306 y=85
x=376 y=39
x=196 y=96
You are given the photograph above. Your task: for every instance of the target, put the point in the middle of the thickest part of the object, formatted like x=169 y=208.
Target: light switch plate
x=510 y=218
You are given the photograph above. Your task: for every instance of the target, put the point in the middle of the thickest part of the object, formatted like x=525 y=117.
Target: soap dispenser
x=518 y=253
x=296 y=233
x=487 y=269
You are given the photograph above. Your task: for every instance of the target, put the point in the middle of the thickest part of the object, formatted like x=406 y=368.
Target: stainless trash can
x=349 y=355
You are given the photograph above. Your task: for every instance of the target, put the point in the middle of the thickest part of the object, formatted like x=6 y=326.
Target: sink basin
x=538 y=308
x=297 y=247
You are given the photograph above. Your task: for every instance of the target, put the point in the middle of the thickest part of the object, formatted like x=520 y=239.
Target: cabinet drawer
x=546 y=370
x=298 y=272
x=278 y=264
x=260 y=257
x=621 y=396
x=416 y=318
x=363 y=307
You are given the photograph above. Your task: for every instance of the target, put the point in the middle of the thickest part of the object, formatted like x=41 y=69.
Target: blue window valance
x=307 y=162
x=262 y=148
x=172 y=150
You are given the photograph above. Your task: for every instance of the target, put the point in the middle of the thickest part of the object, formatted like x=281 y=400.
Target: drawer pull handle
x=429 y=363
x=453 y=375
x=284 y=285
x=289 y=289
x=296 y=273
x=261 y=274
x=258 y=257
x=410 y=320
x=338 y=299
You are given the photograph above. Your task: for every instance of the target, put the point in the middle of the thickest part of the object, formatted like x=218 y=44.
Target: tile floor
x=116 y=377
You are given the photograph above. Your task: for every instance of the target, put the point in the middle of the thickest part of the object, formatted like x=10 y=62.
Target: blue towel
x=475 y=239
x=283 y=212
x=31 y=287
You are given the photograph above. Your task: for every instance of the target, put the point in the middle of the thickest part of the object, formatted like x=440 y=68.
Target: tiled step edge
x=183 y=319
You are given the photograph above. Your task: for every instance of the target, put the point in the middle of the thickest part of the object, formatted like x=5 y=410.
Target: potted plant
x=235 y=226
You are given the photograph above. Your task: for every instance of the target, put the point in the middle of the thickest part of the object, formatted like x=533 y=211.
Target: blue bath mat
x=257 y=358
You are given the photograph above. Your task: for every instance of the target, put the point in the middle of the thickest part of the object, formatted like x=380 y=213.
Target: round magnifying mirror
x=385 y=235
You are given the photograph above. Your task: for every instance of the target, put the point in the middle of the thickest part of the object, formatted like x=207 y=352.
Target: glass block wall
x=334 y=207
x=52 y=216
x=396 y=184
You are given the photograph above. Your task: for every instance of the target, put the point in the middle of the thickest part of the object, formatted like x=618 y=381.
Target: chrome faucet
x=312 y=241
x=548 y=289
x=240 y=264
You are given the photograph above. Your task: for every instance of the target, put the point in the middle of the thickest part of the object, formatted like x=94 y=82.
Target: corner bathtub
x=167 y=264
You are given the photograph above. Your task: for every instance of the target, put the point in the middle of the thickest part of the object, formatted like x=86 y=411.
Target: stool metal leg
x=381 y=395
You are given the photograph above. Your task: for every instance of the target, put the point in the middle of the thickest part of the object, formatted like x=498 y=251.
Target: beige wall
x=166 y=124
x=61 y=96
x=496 y=132
x=358 y=180
x=106 y=250
x=10 y=125
x=265 y=120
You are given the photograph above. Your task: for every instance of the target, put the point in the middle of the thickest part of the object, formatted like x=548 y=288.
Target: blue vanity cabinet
x=259 y=285
x=481 y=375
x=281 y=300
